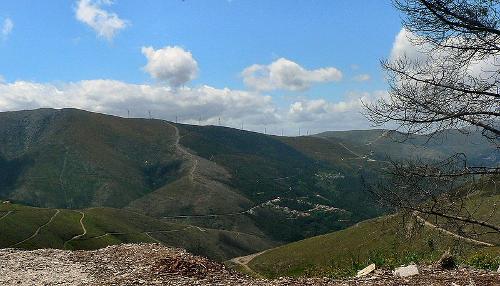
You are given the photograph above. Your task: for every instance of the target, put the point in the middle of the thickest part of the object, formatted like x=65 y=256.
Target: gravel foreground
x=154 y=264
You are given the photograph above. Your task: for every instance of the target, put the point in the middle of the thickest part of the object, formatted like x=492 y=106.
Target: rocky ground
x=153 y=264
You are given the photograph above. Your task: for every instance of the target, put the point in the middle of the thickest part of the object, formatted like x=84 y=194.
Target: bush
x=485 y=261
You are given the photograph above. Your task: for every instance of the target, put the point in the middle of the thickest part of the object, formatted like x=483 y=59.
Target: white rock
x=367 y=270
x=406 y=271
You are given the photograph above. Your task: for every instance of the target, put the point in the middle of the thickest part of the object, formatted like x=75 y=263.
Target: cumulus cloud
x=341 y=115
x=173 y=65
x=409 y=46
x=116 y=97
x=105 y=24
x=362 y=77
x=404 y=46
x=7 y=27
x=287 y=75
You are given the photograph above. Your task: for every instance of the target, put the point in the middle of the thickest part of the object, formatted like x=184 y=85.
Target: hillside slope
x=380 y=144
x=33 y=228
x=76 y=159
x=71 y=158
x=279 y=188
x=386 y=241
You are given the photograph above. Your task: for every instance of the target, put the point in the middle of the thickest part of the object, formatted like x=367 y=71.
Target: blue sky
x=93 y=52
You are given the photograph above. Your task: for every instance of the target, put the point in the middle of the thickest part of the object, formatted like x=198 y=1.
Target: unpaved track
x=38 y=229
x=5 y=215
x=83 y=229
x=148 y=233
x=184 y=152
x=214 y=215
x=152 y=237
x=244 y=260
x=470 y=240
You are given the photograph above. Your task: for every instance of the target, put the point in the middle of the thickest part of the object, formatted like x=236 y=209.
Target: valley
x=76 y=180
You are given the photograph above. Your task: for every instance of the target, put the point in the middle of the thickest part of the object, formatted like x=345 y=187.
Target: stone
x=406 y=271
x=447 y=261
x=367 y=270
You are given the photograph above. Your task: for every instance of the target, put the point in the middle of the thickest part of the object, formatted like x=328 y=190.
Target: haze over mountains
x=232 y=192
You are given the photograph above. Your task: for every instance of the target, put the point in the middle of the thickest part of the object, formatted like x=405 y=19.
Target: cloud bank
x=189 y=105
x=116 y=97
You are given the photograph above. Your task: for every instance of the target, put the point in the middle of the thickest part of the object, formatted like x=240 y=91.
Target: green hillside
x=294 y=195
x=72 y=159
x=387 y=241
x=32 y=228
x=76 y=159
x=382 y=144
x=280 y=189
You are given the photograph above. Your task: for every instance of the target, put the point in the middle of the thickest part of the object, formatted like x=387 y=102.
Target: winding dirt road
x=470 y=240
x=5 y=215
x=244 y=260
x=38 y=229
x=185 y=153
x=79 y=235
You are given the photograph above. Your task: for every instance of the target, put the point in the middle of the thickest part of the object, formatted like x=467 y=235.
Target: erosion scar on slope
x=38 y=229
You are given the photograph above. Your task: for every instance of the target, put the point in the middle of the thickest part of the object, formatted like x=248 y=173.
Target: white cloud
x=7 y=27
x=170 y=64
x=404 y=46
x=234 y=107
x=116 y=97
x=362 y=77
x=342 y=115
x=106 y=24
x=409 y=46
x=288 y=75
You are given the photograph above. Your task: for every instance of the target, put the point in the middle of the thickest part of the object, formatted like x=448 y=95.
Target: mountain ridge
x=281 y=189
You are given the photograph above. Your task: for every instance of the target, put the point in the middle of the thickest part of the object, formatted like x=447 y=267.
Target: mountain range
x=217 y=191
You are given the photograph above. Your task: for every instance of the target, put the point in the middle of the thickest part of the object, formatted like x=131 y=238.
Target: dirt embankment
x=154 y=264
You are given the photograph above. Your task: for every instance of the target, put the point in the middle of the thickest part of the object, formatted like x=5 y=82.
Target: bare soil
x=154 y=264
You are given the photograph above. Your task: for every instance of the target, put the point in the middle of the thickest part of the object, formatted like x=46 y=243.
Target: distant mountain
x=279 y=189
x=388 y=144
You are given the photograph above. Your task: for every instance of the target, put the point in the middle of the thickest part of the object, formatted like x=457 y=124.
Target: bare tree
x=452 y=84
x=456 y=84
